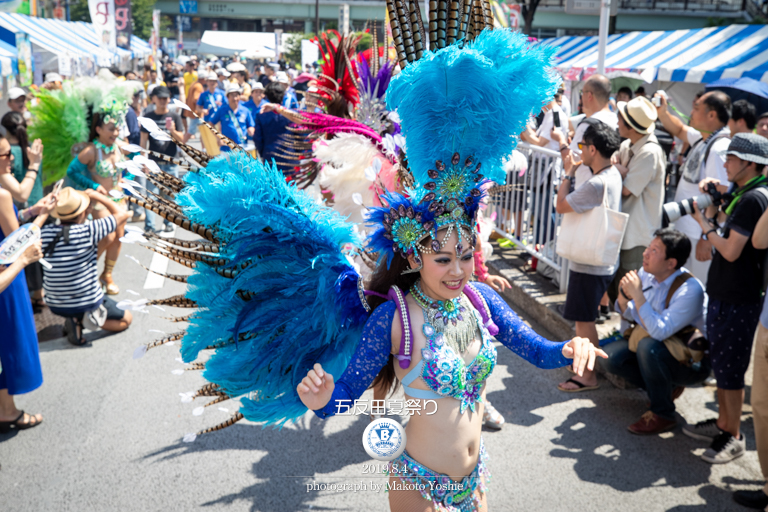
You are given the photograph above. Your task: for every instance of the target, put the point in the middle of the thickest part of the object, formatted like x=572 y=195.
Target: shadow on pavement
x=295 y=456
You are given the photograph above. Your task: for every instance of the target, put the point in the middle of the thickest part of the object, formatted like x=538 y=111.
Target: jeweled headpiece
x=113 y=111
x=462 y=107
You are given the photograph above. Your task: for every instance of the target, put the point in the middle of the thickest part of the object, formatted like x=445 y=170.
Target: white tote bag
x=593 y=237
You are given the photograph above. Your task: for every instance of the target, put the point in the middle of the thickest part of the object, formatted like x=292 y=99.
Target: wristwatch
x=704 y=235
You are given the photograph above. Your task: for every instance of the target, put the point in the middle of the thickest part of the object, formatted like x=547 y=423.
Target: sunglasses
x=582 y=145
x=6 y=155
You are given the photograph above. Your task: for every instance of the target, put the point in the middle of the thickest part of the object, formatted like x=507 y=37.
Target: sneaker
x=167 y=231
x=138 y=218
x=703 y=430
x=751 y=499
x=725 y=448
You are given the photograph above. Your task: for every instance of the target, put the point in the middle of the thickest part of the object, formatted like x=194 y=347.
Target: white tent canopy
x=221 y=43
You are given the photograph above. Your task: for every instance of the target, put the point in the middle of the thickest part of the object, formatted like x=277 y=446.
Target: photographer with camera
x=708 y=137
x=734 y=288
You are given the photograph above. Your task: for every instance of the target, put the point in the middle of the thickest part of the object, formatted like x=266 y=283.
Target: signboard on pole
x=188 y=6
x=310 y=53
x=26 y=64
x=278 y=38
x=103 y=19
x=155 y=37
x=123 y=23
x=344 y=19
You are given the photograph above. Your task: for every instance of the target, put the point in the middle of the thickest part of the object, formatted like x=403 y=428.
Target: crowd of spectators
x=689 y=291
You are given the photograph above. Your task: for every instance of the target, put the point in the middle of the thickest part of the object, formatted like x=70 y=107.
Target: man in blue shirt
x=210 y=100
x=236 y=120
x=257 y=100
x=290 y=101
x=667 y=304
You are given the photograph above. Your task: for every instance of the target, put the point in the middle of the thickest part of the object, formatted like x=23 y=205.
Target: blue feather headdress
x=461 y=108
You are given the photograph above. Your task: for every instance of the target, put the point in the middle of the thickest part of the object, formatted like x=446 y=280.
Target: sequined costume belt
x=446 y=494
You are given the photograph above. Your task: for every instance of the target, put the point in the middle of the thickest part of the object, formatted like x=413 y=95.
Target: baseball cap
x=15 y=93
x=232 y=87
x=257 y=86
x=282 y=77
x=223 y=72
x=53 y=77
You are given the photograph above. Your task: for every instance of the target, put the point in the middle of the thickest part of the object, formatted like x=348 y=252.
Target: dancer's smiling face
x=108 y=133
x=444 y=274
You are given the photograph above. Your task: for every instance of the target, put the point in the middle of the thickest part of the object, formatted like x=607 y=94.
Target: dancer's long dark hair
x=381 y=281
x=96 y=121
x=17 y=126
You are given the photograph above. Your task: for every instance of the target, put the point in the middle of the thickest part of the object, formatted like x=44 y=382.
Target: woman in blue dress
x=19 y=355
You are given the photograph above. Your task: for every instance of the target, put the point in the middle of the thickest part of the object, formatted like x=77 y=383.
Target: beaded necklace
x=104 y=147
x=450 y=317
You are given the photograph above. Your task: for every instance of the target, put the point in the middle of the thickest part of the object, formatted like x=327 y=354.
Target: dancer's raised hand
x=316 y=388
x=583 y=354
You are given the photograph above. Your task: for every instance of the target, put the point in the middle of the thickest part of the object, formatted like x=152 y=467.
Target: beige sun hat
x=639 y=113
x=71 y=204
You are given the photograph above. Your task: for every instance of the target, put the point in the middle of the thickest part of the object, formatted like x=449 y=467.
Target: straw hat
x=71 y=204
x=639 y=113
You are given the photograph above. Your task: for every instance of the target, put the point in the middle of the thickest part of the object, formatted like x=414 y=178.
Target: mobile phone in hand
x=556 y=119
x=57 y=186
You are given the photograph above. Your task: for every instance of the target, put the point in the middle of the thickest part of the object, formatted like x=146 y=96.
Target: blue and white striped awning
x=695 y=56
x=39 y=36
x=140 y=47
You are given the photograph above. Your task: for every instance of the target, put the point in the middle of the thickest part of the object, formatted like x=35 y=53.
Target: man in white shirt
x=708 y=137
x=594 y=98
x=642 y=163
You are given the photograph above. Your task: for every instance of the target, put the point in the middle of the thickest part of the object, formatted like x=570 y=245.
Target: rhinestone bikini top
x=445 y=372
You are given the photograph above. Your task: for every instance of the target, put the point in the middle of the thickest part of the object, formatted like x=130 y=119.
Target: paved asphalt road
x=111 y=440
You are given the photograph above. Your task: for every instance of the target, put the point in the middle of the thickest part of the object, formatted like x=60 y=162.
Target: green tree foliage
x=293 y=46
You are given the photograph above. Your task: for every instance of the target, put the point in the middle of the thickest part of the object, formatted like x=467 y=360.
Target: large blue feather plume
x=294 y=300
x=474 y=100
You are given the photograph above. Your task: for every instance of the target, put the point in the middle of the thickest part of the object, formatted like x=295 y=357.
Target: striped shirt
x=72 y=282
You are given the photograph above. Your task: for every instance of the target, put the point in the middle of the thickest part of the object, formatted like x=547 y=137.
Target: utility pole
x=602 y=39
x=317 y=17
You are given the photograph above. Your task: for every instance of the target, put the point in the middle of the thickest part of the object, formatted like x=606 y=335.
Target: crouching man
x=664 y=350
x=72 y=288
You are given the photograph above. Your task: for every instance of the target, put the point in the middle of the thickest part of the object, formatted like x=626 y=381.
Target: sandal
x=491 y=417
x=38 y=303
x=71 y=326
x=580 y=387
x=16 y=424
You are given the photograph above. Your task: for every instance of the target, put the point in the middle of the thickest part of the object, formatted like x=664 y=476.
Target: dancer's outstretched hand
x=316 y=388
x=583 y=354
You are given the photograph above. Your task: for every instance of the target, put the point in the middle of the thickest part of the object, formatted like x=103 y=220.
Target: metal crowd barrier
x=525 y=208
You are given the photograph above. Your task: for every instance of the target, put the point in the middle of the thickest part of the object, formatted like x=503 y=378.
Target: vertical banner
x=26 y=65
x=103 y=19
x=123 y=23
x=155 y=37
x=278 y=40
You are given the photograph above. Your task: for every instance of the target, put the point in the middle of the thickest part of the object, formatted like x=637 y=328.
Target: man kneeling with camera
x=734 y=286
x=664 y=350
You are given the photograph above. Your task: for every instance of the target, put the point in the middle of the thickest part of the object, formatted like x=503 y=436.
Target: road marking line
x=159 y=264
